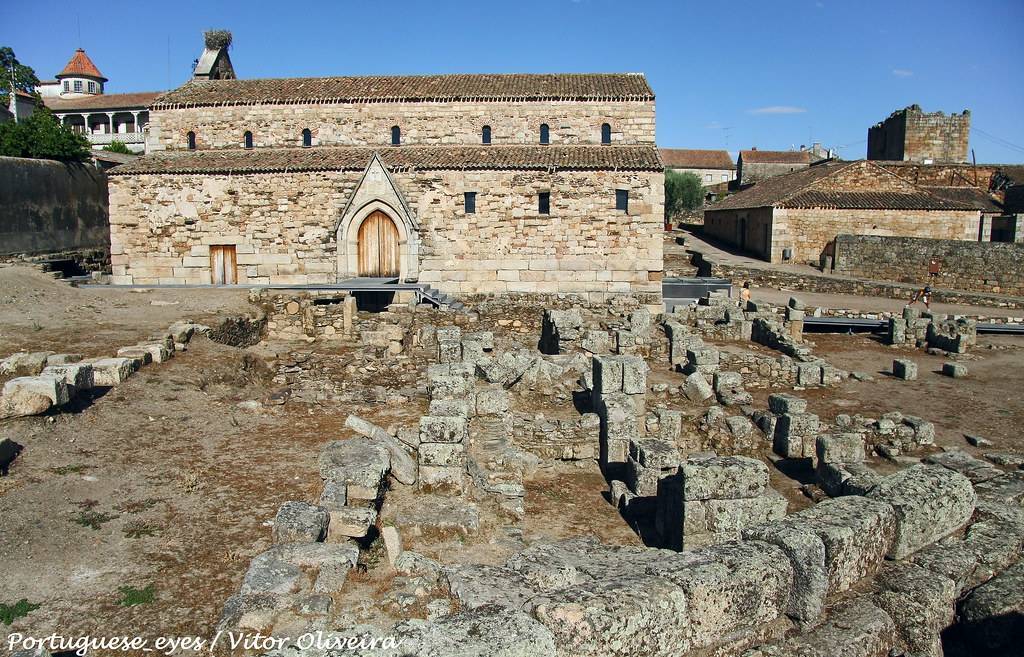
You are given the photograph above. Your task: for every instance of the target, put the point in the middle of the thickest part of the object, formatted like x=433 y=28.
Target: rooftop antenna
x=168 y=61
x=78 y=17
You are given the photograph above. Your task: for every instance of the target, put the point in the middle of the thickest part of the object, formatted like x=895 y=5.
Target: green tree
x=16 y=75
x=42 y=136
x=117 y=147
x=683 y=191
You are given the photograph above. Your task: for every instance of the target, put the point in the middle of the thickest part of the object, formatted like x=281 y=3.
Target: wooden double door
x=379 y=249
x=223 y=264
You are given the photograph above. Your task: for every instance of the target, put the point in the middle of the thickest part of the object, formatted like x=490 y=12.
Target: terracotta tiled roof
x=777 y=157
x=973 y=197
x=80 y=64
x=370 y=89
x=140 y=99
x=685 y=158
x=400 y=158
x=806 y=189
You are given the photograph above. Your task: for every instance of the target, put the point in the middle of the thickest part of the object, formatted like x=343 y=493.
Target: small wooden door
x=222 y=265
x=378 y=246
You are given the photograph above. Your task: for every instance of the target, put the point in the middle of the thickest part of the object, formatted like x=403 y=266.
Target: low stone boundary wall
x=808 y=282
x=992 y=267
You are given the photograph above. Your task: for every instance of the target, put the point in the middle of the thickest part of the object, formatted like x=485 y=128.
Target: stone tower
x=912 y=135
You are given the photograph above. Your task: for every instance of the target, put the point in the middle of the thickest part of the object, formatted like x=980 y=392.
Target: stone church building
x=472 y=183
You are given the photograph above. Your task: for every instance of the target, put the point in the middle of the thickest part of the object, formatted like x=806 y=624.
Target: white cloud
x=777 y=109
x=902 y=72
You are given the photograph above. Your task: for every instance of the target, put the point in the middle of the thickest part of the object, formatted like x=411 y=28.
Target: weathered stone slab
x=78 y=376
x=857 y=534
x=806 y=553
x=350 y=522
x=1007 y=489
x=299 y=522
x=782 y=403
x=359 y=463
x=723 y=477
x=403 y=467
x=24 y=364
x=856 y=628
x=930 y=502
x=697 y=388
x=960 y=461
x=443 y=429
x=920 y=603
x=840 y=448
x=621 y=617
x=904 y=369
x=990 y=617
x=31 y=395
x=488 y=631
x=731 y=590
x=112 y=371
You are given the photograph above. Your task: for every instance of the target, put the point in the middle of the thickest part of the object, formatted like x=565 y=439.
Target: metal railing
x=123 y=137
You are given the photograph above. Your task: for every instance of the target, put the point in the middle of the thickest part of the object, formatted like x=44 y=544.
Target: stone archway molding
x=377 y=191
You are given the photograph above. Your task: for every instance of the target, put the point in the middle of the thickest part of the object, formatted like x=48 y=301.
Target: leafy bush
x=116 y=146
x=131 y=596
x=683 y=191
x=8 y=613
x=42 y=136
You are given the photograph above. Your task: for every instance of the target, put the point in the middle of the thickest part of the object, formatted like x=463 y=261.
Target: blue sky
x=773 y=74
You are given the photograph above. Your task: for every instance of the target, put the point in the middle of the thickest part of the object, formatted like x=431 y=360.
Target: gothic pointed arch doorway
x=379 y=246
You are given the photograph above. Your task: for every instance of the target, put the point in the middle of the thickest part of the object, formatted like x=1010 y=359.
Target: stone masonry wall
x=992 y=267
x=809 y=231
x=912 y=135
x=283 y=226
x=368 y=124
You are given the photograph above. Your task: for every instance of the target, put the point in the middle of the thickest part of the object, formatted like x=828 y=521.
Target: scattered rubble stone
x=904 y=369
x=299 y=522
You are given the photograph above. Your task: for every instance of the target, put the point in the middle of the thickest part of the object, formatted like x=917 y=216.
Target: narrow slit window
x=545 y=134
x=622 y=200
x=191 y=139
x=470 y=201
x=307 y=138
x=248 y=139
x=487 y=134
x=544 y=203
x=606 y=134
x=396 y=135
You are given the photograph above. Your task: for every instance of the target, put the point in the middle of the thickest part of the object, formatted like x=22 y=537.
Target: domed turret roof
x=81 y=66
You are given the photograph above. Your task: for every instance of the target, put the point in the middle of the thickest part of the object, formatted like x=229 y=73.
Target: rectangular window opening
x=622 y=200
x=544 y=203
x=470 y=200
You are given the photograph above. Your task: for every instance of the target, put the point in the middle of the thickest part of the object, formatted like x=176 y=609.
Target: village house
x=474 y=184
x=755 y=165
x=795 y=217
x=713 y=167
x=77 y=99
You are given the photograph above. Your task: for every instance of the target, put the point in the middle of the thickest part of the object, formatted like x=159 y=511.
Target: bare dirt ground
x=987 y=402
x=40 y=314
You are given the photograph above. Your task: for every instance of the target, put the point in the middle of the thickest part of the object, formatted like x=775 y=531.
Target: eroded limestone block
x=857 y=533
x=990 y=617
x=299 y=522
x=487 y=631
x=731 y=590
x=697 y=388
x=622 y=617
x=350 y=522
x=359 y=463
x=782 y=403
x=112 y=371
x=904 y=369
x=806 y=553
x=840 y=448
x=930 y=502
x=855 y=628
x=920 y=604
x=443 y=429
x=24 y=364
x=723 y=477
x=78 y=376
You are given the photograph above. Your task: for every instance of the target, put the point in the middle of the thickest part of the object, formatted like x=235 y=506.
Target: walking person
x=924 y=295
